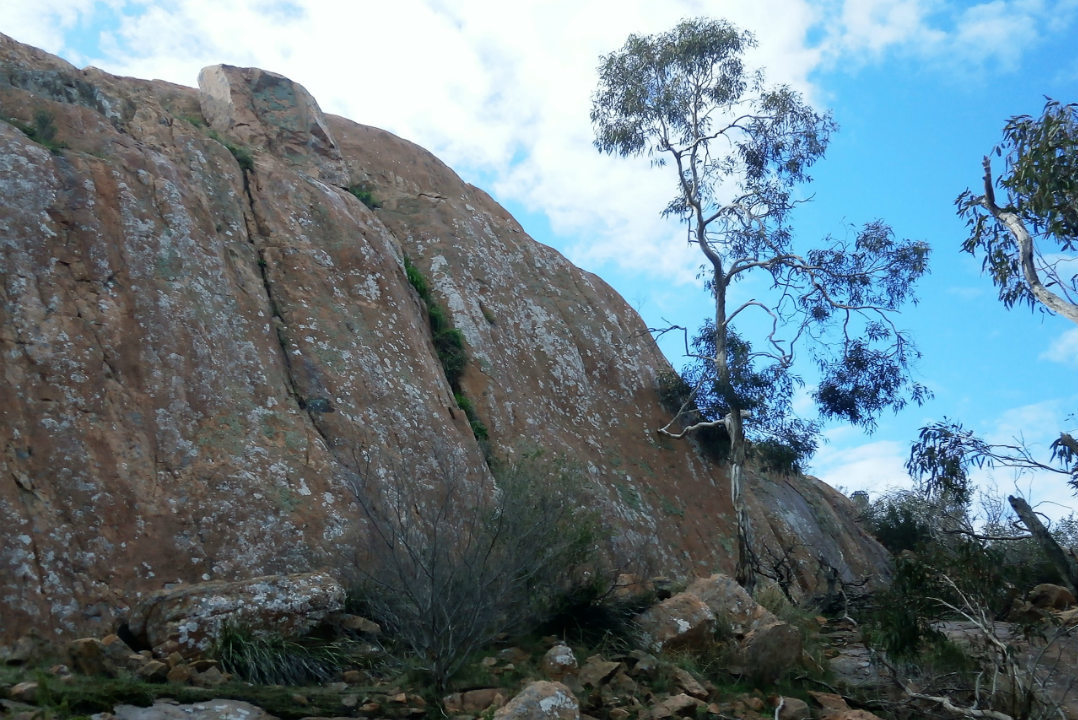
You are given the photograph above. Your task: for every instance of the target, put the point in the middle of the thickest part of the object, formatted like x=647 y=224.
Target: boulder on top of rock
x=188 y=619
x=683 y=621
x=1051 y=597
x=268 y=111
x=729 y=602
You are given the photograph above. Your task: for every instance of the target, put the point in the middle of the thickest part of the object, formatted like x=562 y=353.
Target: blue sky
x=501 y=92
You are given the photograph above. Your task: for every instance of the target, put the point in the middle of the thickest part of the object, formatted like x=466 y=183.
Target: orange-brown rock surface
x=196 y=356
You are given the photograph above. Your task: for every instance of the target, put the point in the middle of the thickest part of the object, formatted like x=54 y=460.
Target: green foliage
x=1039 y=184
x=449 y=344
x=779 y=441
x=448 y=341
x=275 y=660
x=448 y=571
x=902 y=521
x=946 y=451
x=416 y=279
x=478 y=428
x=43 y=131
x=592 y=615
x=942 y=564
x=242 y=155
x=364 y=194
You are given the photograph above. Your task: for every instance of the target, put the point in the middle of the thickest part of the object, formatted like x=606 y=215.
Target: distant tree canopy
x=738 y=150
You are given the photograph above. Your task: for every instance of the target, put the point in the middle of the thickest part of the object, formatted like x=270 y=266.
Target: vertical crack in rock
x=257 y=237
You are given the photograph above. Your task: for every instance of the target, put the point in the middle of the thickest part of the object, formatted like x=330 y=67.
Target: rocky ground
x=834 y=677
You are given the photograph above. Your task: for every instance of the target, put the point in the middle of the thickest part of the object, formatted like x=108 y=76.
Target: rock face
x=205 y=339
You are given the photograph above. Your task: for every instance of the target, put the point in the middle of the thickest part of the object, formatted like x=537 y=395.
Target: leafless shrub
x=1015 y=678
x=451 y=563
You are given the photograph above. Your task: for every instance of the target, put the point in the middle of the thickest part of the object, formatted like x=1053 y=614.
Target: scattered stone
x=794 y=709
x=211 y=677
x=541 y=700
x=209 y=710
x=180 y=674
x=349 y=701
x=474 y=701
x=558 y=662
x=174 y=659
x=355 y=624
x=370 y=708
x=753 y=703
x=91 y=656
x=834 y=707
x=623 y=685
x=154 y=671
x=28 y=648
x=25 y=692
x=680 y=705
x=688 y=684
x=729 y=602
x=681 y=622
x=829 y=701
x=353 y=677
x=596 y=670
x=769 y=650
x=1023 y=611
x=513 y=655
x=1069 y=617
x=646 y=663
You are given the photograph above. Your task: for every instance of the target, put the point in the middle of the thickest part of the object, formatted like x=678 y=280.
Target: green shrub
x=42 y=131
x=274 y=660
x=364 y=195
x=242 y=155
x=478 y=428
x=448 y=341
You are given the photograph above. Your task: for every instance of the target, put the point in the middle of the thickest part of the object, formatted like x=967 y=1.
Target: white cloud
x=1064 y=349
x=964 y=37
x=43 y=23
x=876 y=467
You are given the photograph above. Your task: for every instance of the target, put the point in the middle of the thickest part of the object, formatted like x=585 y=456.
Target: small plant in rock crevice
x=449 y=346
x=364 y=194
x=242 y=155
x=42 y=131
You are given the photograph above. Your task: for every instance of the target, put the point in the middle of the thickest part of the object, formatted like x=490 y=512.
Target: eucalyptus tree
x=738 y=149
x=1027 y=236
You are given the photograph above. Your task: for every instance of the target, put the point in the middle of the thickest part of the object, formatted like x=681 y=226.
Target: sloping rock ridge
x=205 y=339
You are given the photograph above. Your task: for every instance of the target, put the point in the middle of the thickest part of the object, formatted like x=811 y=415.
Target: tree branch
x=1013 y=223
